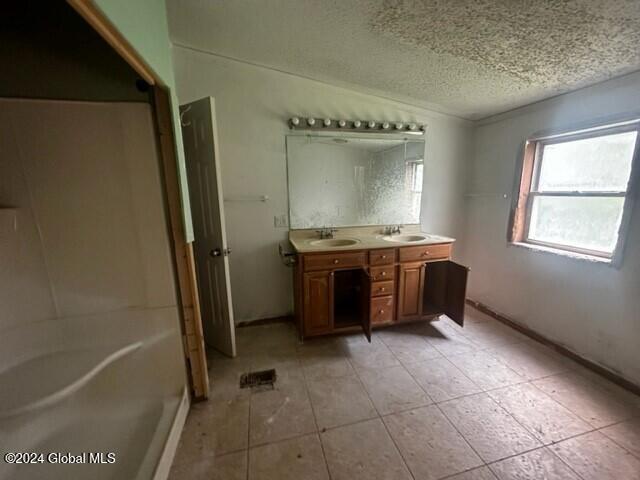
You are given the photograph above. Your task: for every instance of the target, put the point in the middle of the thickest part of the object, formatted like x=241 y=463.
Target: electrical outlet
x=281 y=221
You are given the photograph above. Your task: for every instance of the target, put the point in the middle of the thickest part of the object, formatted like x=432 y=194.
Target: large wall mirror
x=339 y=181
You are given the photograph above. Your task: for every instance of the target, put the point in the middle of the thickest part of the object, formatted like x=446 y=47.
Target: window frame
x=527 y=191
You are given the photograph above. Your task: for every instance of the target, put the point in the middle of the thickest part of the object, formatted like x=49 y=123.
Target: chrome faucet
x=326 y=232
x=390 y=230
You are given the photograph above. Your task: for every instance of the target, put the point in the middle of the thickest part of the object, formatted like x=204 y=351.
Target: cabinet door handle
x=380 y=312
x=335 y=260
x=383 y=274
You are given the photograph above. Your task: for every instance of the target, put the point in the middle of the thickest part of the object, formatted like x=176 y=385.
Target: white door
x=210 y=246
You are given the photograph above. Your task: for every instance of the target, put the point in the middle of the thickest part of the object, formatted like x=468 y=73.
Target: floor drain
x=256 y=379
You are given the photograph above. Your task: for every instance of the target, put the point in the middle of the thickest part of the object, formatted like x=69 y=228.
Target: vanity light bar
x=367 y=126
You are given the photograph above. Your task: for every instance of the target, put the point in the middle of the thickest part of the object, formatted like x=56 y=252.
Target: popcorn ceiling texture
x=464 y=57
x=544 y=42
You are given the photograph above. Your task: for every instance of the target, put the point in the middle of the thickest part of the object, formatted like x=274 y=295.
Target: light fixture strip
x=360 y=126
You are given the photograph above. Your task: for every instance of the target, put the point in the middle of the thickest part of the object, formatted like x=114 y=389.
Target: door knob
x=215 y=252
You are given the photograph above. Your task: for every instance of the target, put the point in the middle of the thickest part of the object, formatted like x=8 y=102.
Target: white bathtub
x=102 y=384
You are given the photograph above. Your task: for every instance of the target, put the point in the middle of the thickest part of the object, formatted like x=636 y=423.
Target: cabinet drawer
x=330 y=261
x=379 y=289
x=381 y=310
x=382 y=257
x=383 y=273
x=425 y=252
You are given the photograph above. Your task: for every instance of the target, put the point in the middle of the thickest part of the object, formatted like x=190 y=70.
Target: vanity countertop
x=361 y=238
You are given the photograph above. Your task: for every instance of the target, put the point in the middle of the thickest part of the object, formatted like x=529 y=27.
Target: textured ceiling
x=471 y=58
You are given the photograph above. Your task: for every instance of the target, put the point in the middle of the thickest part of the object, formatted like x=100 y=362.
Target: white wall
x=593 y=309
x=253 y=104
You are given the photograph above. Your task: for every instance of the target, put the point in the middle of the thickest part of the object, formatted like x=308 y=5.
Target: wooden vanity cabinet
x=359 y=290
x=335 y=298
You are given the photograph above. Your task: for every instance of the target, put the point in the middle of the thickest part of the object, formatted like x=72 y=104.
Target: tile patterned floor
x=421 y=402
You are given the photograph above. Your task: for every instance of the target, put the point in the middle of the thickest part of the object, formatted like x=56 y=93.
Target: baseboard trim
x=608 y=374
x=171 y=445
x=265 y=321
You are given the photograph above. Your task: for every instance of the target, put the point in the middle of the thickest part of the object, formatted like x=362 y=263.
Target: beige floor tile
x=441 y=379
x=546 y=419
x=224 y=374
x=448 y=341
x=429 y=444
x=586 y=399
x=338 y=401
x=372 y=356
x=611 y=388
x=491 y=431
x=625 y=434
x=264 y=337
x=393 y=389
x=528 y=361
x=232 y=466
x=414 y=352
x=357 y=340
x=595 y=457
x=327 y=362
x=492 y=334
x=363 y=451
x=400 y=335
x=539 y=464
x=214 y=428
x=294 y=459
x=482 y=473
x=280 y=360
x=485 y=370
x=282 y=412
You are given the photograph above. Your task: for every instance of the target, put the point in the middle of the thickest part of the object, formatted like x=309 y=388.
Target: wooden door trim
x=94 y=17
x=189 y=300
x=184 y=262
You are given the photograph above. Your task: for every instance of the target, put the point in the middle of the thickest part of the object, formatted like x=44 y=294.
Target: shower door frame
x=183 y=256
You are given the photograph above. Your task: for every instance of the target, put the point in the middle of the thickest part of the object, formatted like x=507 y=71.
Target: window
x=414 y=169
x=574 y=190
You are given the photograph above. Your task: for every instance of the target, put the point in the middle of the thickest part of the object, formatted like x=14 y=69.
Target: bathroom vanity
x=365 y=275
x=362 y=279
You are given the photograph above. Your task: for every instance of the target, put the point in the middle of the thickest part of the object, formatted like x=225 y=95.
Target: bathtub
x=107 y=388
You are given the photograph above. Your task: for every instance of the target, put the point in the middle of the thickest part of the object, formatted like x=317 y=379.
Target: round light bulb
x=295 y=121
x=385 y=125
x=327 y=122
x=399 y=126
x=342 y=123
x=371 y=124
x=412 y=126
x=311 y=121
x=357 y=124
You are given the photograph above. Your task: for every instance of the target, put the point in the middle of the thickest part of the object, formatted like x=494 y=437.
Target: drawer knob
x=382 y=289
x=335 y=260
x=383 y=256
x=380 y=312
x=426 y=252
x=383 y=274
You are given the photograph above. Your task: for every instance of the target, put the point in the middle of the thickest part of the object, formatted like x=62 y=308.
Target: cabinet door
x=318 y=303
x=411 y=281
x=456 y=291
x=366 y=303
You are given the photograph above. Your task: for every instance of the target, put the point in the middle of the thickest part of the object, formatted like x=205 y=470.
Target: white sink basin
x=404 y=238
x=334 y=242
